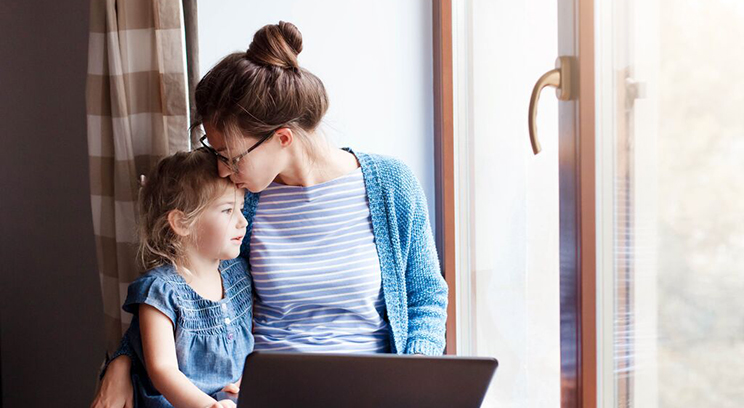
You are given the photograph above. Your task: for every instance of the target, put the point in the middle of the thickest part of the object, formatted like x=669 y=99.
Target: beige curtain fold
x=137 y=112
x=190 y=18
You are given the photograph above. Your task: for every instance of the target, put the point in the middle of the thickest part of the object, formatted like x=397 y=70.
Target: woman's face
x=257 y=169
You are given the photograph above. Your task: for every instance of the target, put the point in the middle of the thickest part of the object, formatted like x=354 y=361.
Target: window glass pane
x=672 y=128
x=509 y=295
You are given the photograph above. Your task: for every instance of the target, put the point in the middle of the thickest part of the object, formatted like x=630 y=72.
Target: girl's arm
x=159 y=348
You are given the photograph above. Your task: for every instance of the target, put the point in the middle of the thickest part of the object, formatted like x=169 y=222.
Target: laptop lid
x=280 y=380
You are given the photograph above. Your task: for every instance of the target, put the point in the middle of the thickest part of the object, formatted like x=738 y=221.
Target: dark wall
x=51 y=315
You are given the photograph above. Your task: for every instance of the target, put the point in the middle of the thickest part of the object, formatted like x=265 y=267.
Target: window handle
x=560 y=79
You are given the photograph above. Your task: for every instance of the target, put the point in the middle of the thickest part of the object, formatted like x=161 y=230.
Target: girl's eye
x=227 y=211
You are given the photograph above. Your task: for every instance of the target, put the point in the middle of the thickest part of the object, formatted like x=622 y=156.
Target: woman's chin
x=260 y=189
x=247 y=187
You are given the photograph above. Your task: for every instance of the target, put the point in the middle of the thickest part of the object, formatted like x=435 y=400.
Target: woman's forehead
x=218 y=140
x=212 y=132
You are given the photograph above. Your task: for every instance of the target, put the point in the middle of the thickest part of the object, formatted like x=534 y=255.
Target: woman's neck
x=311 y=165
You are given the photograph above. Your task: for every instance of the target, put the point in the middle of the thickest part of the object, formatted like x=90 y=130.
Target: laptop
x=278 y=380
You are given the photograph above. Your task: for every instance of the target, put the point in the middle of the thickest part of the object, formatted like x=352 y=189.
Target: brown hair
x=257 y=91
x=185 y=181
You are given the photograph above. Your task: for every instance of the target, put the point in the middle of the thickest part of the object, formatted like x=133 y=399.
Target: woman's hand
x=115 y=390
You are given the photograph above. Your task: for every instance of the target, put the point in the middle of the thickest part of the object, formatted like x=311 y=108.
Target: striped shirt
x=316 y=271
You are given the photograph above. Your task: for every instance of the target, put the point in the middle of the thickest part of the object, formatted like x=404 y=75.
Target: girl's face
x=257 y=169
x=221 y=227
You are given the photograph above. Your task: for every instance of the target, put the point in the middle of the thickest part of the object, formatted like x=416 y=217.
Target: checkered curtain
x=137 y=113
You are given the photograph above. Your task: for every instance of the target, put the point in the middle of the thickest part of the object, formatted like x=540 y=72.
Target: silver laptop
x=279 y=380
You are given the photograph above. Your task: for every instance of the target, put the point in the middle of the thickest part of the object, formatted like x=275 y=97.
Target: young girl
x=191 y=329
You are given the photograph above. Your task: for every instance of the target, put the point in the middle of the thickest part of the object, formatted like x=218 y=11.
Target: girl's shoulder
x=164 y=277
x=158 y=287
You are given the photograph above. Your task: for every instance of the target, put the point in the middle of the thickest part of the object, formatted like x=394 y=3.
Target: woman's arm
x=427 y=297
x=115 y=389
x=425 y=286
x=115 y=385
x=159 y=348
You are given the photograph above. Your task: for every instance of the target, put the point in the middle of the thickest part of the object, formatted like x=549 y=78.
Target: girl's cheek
x=210 y=243
x=206 y=234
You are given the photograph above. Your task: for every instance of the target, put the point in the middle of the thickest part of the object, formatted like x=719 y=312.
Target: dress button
x=229 y=336
x=227 y=320
x=224 y=306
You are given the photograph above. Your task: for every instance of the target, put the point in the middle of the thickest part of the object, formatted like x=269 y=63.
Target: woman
x=339 y=242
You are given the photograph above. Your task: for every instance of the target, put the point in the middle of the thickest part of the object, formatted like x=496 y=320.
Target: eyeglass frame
x=233 y=163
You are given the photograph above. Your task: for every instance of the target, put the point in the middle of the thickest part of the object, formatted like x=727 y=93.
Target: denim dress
x=212 y=338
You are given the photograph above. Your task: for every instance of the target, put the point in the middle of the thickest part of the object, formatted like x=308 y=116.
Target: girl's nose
x=242 y=222
x=223 y=169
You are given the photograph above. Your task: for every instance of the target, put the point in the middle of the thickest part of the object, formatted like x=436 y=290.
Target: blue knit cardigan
x=415 y=291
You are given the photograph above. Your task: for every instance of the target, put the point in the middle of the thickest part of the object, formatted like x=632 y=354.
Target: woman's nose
x=223 y=169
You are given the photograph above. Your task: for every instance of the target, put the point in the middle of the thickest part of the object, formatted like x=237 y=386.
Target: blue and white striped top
x=316 y=271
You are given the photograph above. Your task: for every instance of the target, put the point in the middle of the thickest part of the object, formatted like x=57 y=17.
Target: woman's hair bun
x=276 y=45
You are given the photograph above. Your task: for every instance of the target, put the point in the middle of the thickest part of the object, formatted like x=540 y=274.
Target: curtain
x=192 y=58
x=137 y=113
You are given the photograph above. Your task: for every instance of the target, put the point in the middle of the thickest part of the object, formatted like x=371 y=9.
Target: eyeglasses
x=233 y=163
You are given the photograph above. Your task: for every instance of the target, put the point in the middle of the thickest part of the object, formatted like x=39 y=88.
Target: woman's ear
x=176 y=219
x=285 y=136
